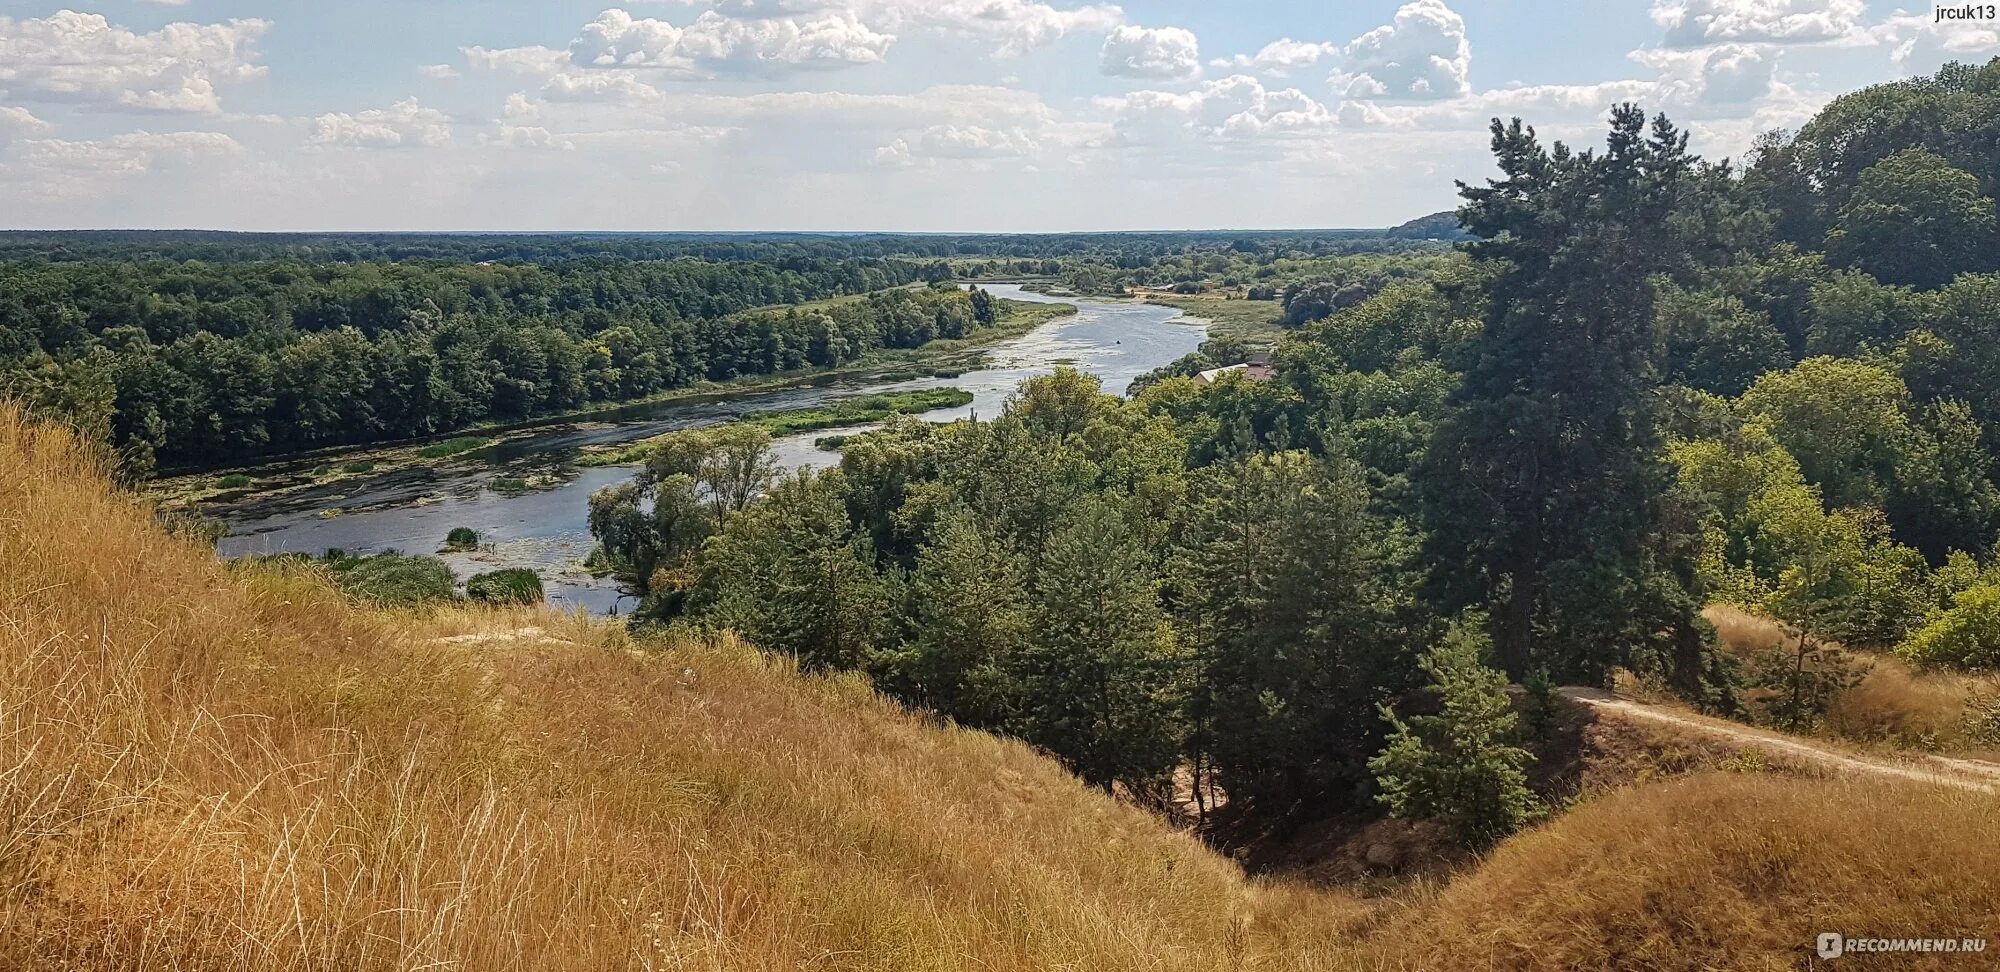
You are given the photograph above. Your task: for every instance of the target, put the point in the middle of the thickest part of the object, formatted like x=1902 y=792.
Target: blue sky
x=941 y=115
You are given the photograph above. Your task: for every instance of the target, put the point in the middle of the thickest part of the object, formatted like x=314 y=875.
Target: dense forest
x=192 y=349
x=205 y=363
x=1651 y=383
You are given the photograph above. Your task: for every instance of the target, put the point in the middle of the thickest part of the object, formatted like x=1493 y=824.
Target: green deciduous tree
x=1965 y=636
x=1914 y=219
x=1845 y=420
x=1860 y=438
x=1715 y=343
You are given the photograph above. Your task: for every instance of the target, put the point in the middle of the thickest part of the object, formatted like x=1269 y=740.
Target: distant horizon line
x=694 y=232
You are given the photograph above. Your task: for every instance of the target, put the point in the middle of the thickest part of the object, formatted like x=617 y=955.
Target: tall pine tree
x=793 y=575
x=1549 y=500
x=970 y=622
x=1099 y=678
x=1295 y=602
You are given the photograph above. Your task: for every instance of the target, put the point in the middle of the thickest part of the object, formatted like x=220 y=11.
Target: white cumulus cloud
x=1421 y=55
x=535 y=61
x=1280 y=57
x=84 y=57
x=1919 y=45
x=403 y=124
x=711 y=45
x=1013 y=27
x=1146 y=52
x=15 y=122
x=1239 y=106
x=1695 y=23
x=715 y=42
x=1727 y=74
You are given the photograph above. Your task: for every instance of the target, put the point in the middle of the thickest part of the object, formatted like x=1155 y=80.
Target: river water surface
x=410 y=510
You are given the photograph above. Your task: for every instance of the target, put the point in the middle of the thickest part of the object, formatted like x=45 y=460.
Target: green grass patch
x=357 y=468
x=392 y=579
x=1252 y=320
x=858 y=411
x=237 y=481
x=454 y=447
x=517 y=585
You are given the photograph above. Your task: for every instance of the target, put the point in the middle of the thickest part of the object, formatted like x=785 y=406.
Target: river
x=410 y=510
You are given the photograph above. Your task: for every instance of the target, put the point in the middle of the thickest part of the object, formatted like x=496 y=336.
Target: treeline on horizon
x=191 y=349
x=193 y=363
x=784 y=249
x=1654 y=383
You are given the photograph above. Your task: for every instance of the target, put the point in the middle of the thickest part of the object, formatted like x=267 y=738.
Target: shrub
x=395 y=580
x=516 y=585
x=234 y=481
x=1793 y=687
x=1965 y=636
x=461 y=538
x=1459 y=766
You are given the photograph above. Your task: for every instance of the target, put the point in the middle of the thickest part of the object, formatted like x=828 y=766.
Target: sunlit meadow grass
x=213 y=768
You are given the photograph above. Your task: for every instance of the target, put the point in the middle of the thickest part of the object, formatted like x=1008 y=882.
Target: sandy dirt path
x=1965 y=774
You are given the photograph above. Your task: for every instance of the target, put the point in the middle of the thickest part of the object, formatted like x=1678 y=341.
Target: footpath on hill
x=1965 y=774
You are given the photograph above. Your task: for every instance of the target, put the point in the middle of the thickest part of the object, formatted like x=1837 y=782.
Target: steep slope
x=1722 y=871
x=202 y=769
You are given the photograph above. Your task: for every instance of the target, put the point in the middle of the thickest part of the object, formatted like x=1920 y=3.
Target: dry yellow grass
x=1893 y=703
x=1941 y=711
x=1720 y=871
x=207 y=769
x=1744 y=633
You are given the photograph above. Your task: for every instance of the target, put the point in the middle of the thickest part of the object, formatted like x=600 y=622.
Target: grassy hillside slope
x=1721 y=871
x=203 y=768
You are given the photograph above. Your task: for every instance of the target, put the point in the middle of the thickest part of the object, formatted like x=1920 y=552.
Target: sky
x=891 y=115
